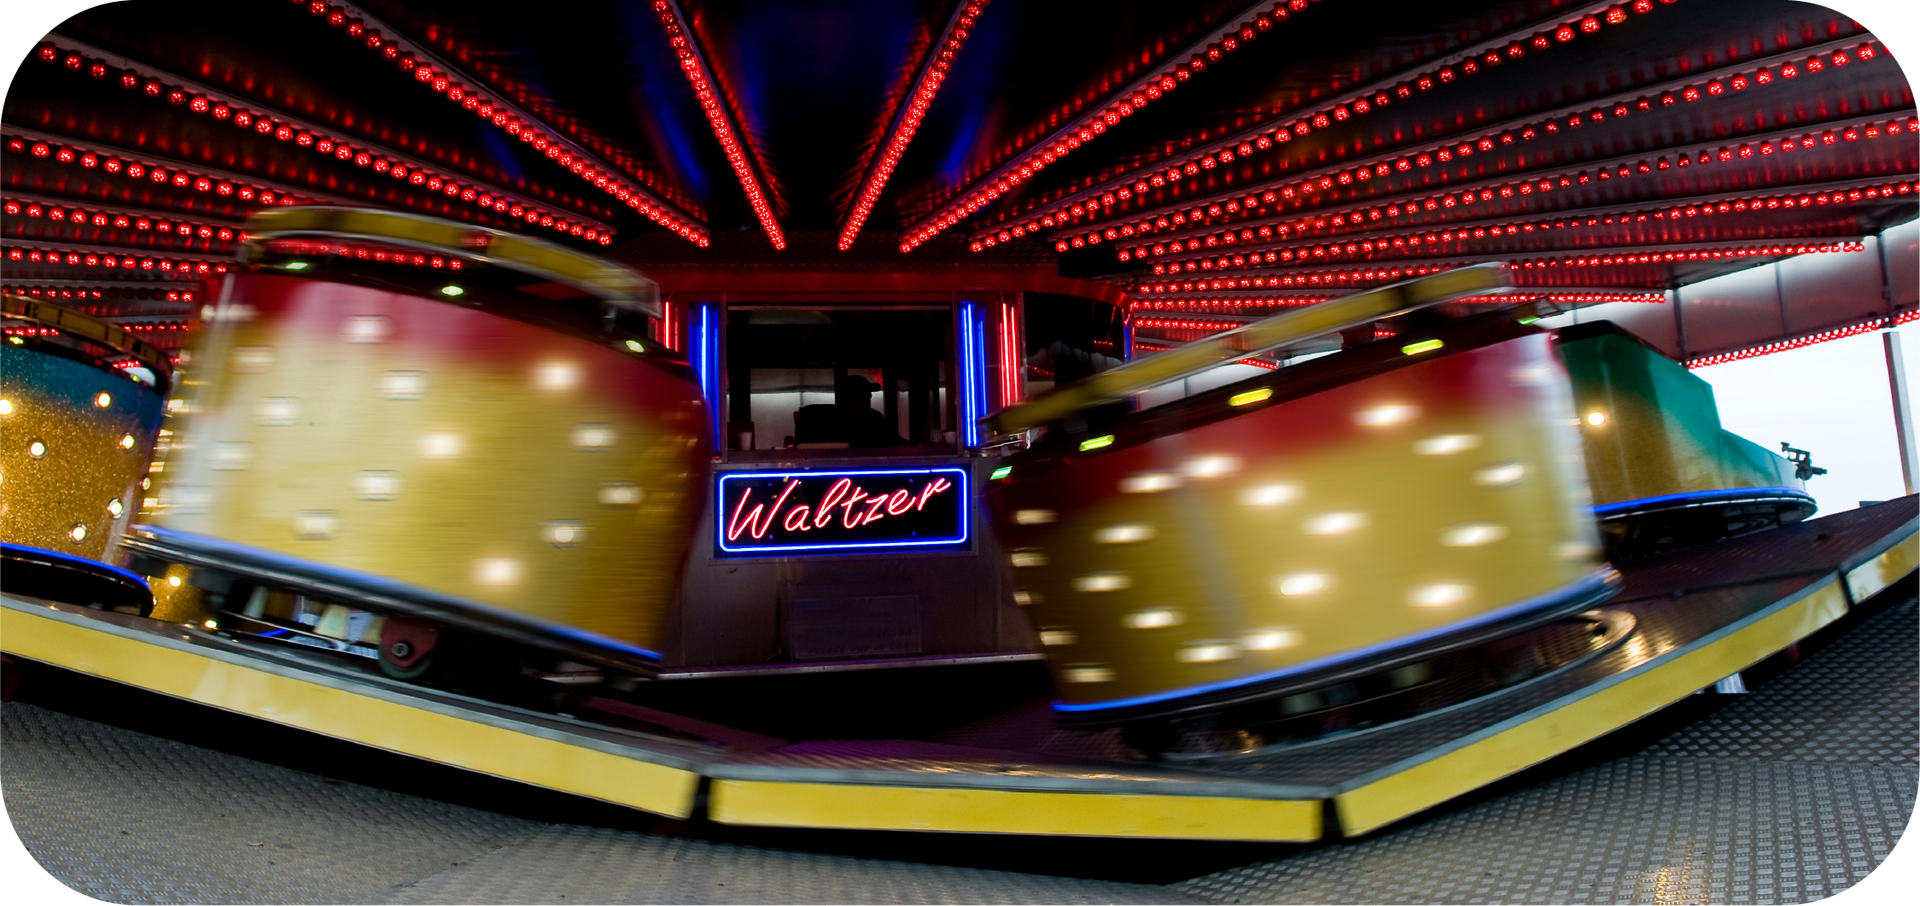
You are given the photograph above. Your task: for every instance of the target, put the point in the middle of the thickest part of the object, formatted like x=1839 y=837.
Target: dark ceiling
x=1602 y=147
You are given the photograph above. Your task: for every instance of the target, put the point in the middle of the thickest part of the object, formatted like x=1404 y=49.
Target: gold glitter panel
x=75 y=439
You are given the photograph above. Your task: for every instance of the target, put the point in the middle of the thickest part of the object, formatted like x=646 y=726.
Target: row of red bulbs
x=1764 y=251
x=310 y=137
x=496 y=113
x=1323 y=278
x=64 y=293
x=1867 y=326
x=1245 y=206
x=1140 y=182
x=79 y=216
x=364 y=253
x=1408 y=243
x=1251 y=201
x=1349 y=277
x=919 y=97
x=680 y=37
x=1469 y=196
x=1210 y=305
x=135 y=169
x=1090 y=125
x=1146 y=345
x=183 y=267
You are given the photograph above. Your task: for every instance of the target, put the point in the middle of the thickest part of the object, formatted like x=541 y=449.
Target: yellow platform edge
x=1869 y=578
x=342 y=714
x=1526 y=744
x=908 y=808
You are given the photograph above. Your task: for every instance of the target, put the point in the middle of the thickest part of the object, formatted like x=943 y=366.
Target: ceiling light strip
x=86 y=214
x=458 y=86
x=157 y=84
x=73 y=255
x=726 y=127
x=1367 y=246
x=1233 y=305
x=1323 y=113
x=1725 y=82
x=1517 y=262
x=1108 y=112
x=1463 y=197
x=913 y=109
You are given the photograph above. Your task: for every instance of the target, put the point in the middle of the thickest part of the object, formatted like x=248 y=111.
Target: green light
x=1420 y=347
x=1528 y=319
x=1000 y=473
x=1095 y=443
x=295 y=265
x=16 y=341
x=635 y=346
x=451 y=290
x=1251 y=396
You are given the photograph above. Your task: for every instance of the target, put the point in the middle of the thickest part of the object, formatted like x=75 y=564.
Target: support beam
x=1902 y=408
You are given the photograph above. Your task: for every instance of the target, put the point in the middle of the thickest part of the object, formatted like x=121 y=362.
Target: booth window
x=846 y=380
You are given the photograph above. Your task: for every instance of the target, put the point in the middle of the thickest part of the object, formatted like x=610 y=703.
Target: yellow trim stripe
x=1867 y=579
x=784 y=804
x=342 y=714
x=1509 y=751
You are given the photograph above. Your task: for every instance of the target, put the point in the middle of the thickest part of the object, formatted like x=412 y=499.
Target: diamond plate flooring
x=1787 y=795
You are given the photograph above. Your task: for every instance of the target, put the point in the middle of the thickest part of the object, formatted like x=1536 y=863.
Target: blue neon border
x=83 y=561
x=1700 y=497
x=383 y=585
x=1585 y=587
x=720 y=497
x=972 y=391
x=705 y=353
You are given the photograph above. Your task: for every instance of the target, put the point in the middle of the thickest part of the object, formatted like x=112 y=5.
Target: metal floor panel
x=126 y=817
x=600 y=865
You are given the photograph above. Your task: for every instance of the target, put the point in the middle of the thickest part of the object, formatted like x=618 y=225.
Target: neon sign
x=783 y=513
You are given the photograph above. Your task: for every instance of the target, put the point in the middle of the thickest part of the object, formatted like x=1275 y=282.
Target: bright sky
x=1830 y=399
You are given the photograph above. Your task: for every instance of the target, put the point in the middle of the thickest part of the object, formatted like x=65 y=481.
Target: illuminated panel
x=800 y=513
x=422 y=65
x=1254 y=21
x=1488 y=54
x=1241 y=202
x=1677 y=210
x=732 y=138
x=265 y=121
x=933 y=70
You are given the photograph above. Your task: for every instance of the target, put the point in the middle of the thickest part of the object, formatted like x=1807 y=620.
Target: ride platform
x=1682 y=623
